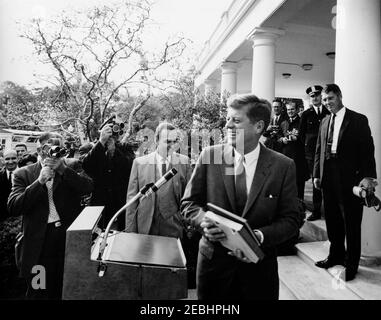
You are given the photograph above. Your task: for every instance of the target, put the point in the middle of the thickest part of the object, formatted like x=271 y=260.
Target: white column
x=358 y=73
x=228 y=78
x=210 y=86
x=263 y=76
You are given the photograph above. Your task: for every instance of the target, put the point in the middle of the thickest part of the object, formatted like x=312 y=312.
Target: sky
x=194 y=19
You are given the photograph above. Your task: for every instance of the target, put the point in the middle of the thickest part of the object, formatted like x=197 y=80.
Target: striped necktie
x=240 y=186
x=53 y=214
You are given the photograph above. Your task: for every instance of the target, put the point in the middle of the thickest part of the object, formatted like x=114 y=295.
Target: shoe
x=314 y=217
x=350 y=273
x=328 y=263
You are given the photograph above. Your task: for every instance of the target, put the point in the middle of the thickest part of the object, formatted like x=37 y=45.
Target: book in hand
x=238 y=232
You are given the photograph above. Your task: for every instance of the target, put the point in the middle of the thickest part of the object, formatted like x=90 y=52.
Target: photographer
x=47 y=194
x=273 y=132
x=109 y=164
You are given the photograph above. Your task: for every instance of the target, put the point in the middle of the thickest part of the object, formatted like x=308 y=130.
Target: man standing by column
x=344 y=159
x=273 y=132
x=308 y=133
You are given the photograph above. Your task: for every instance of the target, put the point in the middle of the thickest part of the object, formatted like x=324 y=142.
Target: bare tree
x=97 y=53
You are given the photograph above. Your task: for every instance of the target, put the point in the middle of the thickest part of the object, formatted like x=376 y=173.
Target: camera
x=368 y=197
x=56 y=152
x=117 y=128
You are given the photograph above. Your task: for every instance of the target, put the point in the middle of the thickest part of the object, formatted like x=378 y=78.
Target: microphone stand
x=102 y=265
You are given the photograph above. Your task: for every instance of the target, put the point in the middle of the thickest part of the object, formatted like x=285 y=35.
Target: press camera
x=368 y=197
x=117 y=128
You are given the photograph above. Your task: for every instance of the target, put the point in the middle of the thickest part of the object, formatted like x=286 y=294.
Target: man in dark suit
x=344 y=159
x=308 y=133
x=109 y=164
x=47 y=194
x=10 y=158
x=292 y=146
x=273 y=132
x=246 y=178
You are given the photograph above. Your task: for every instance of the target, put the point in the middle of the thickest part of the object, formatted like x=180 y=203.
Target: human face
x=20 y=150
x=10 y=160
x=277 y=108
x=332 y=102
x=315 y=99
x=291 y=110
x=168 y=139
x=242 y=134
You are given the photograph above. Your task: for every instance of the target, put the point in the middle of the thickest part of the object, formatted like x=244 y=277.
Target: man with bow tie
x=47 y=194
x=250 y=180
x=10 y=157
x=308 y=133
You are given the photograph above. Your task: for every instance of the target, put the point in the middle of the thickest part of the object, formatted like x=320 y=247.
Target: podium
x=139 y=267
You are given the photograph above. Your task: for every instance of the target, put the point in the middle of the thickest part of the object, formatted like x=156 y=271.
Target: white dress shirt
x=160 y=160
x=336 y=130
x=250 y=164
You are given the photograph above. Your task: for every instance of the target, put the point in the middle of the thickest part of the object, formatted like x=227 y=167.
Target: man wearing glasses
x=47 y=194
x=159 y=214
x=10 y=165
x=308 y=133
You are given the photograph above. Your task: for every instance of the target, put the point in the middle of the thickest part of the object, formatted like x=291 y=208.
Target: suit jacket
x=355 y=150
x=309 y=129
x=30 y=199
x=5 y=189
x=272 y=208
x=143 y=172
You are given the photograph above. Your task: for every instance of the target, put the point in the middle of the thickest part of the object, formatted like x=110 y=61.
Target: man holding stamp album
x=243 y=177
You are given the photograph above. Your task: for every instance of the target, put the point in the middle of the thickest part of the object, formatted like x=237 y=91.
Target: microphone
x=159 y=183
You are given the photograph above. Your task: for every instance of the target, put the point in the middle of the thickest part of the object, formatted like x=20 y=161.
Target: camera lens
x=115 y=128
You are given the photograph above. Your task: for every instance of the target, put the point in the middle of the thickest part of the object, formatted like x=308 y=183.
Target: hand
x=317 y=183
x=285 y=140
x=239 y=255
x=53 y=163
x=46 y=174
x=211 y=231
x=106 y=133
x=369 y=184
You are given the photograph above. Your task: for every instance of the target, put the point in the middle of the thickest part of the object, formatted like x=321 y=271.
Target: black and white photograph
x=205 y=152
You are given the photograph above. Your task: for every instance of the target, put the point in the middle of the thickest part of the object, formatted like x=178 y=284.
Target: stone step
x=307 y=283
x=366 y=285
x=314 y=230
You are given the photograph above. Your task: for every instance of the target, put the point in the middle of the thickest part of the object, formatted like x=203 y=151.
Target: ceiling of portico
x=309 y=36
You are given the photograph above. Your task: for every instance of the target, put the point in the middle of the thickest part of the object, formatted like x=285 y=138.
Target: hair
x=332 y=88
x=21 y=145
x=161 y=127
x=258 y=109
x=28 y=157
x=50 y=136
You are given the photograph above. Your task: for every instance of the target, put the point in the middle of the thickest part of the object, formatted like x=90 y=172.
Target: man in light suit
x=243 y=177
x=344 y=158
x=159 y=214
x=47 y=194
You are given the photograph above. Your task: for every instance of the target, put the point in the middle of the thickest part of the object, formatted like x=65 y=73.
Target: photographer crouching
x=47 y=194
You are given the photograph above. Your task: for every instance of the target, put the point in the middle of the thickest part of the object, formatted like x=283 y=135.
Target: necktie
x=330 y=136
x=318 y=112
x=53 y=214
x=163 y=168
x=240 y=186
x=10 y=178
x=276 y=120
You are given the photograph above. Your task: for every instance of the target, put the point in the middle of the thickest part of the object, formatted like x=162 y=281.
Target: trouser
x=52 y=259
x=343 y=216
x=316 y=193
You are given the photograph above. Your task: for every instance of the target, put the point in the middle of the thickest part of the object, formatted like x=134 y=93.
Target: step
x=285 y=293
x=307 y=283
x=314 y=230
x=367 y=283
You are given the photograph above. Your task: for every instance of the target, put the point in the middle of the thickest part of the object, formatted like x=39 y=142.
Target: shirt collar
x=160 y=159
x=249 y=157
x=341 y=113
